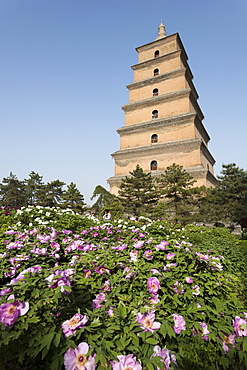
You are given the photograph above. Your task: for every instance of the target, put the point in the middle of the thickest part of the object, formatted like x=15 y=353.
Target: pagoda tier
x=163 y=120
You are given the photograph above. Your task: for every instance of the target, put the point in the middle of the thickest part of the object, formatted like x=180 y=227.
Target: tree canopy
x=33 y=191
x=106 y=200
x=12 y=192
x=72 y=198
x=138 y=192
x=177 y=189
x=228 y=200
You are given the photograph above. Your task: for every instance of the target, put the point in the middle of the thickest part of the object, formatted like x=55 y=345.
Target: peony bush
x=77 y=293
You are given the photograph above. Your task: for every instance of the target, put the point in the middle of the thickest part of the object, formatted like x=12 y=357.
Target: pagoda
x=163 y=120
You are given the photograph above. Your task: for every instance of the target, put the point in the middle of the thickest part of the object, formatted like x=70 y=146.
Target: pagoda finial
x=162 y=31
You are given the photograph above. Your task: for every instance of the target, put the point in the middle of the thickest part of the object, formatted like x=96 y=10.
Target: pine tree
x=54 y=193
x=106 y=200
x=176 y=187
x=138 y=192
x=12 y=192
x=228 y=200
x=35 y=189
x=73 y=199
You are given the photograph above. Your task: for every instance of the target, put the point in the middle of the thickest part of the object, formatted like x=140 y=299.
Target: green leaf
x=122 y=309
x=44 y=352
x=245 y=344
x=101 y=358
x=150 y=366
x=55 y=364
x=151 y=341
x=46 y=341
x=56 y=340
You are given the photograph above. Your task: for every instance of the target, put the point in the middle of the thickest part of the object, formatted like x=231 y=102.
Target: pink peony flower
x=110 y=312
x=87 y=273
x=133 y=256
x=179 y=323
x=162 y=245
x=204 y=257
x=203 y=331
x=101 y=270
x=55 y=246
x=98 y=300
x=3 y=292
x=228 y=340
x=240 y=326
x=155 y=271
x=178 y=288
x=76 y=322
x=148 y=254
x=147 y=321
x=170 y=256
x=106 y=286
x=76 y=359
x=154 y=299
x=153 y=285
x=9 y=312
x=167 y=357
x=126 y=362
x=189 y=280
x=11 y=271
x=196 y=290
x=59 y=279
x=139 y=244
x=169 y=265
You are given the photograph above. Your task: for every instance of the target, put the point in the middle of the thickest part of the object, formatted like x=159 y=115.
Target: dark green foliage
x=221 y=241
x=138 y=192
x=176 y=187
x=161 y=210
x=35 y=190
x=54 y=193
x=106 y=200
x=231 y=192
x=73 y=199
x=73 y=222
x=228 y=200
x=36 y=340
x=12 y=192
x=6 y=218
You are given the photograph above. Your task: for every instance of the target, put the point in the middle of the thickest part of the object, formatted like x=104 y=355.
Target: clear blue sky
x=64 y=65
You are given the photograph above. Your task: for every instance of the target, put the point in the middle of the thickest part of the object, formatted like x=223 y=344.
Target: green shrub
x=137 y=284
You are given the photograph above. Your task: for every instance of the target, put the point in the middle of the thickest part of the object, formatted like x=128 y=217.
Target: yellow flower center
x=227 y=339
x=148 y=323
x=81 y=360
x=128 y=368
x=11 y=310
x=73 y=322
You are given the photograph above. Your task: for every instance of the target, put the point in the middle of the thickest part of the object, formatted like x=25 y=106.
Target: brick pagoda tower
x=163 y=121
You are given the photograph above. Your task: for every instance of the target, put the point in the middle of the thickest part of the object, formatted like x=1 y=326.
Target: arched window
x=156 y=54
x=153 y=165
x=155 y=114
x=156 y=72
x=155 y=92
x=154 y=138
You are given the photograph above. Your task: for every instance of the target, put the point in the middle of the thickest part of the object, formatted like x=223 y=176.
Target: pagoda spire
x=162 y=31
